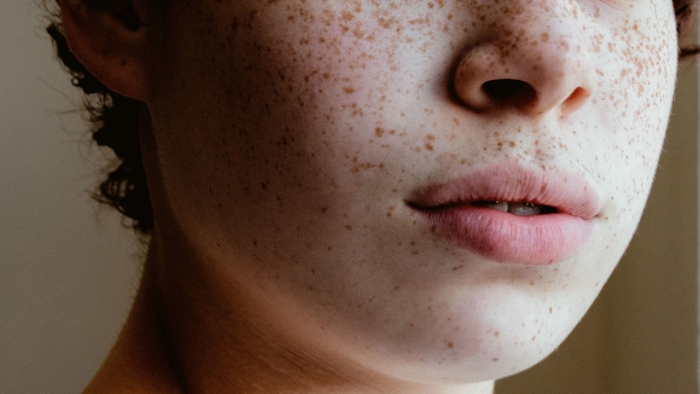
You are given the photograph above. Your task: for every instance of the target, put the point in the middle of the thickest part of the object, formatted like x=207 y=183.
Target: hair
x=114 y=119
x=113 y=122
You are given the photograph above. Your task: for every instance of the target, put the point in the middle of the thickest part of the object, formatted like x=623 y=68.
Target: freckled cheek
x=329 y=105
x=638 y=153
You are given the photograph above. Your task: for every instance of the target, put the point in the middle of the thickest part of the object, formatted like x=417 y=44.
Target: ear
x=111 y=40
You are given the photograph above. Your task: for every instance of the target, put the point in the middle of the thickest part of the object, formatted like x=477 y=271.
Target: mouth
x=511 y=214
x=521 y=208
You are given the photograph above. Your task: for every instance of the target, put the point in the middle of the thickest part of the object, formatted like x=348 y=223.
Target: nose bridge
x=539 y=43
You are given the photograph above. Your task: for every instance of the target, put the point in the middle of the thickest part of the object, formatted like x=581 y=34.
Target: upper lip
x=568 y=193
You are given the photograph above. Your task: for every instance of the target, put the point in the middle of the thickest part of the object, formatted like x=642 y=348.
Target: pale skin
x=282 y=140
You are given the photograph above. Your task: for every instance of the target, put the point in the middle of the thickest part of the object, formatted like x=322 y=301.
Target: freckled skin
x=289 y=133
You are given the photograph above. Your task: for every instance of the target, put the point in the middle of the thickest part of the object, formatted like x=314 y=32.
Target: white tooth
x=523 y=208
x=498 y=205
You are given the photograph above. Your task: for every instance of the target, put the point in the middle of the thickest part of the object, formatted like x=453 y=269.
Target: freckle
x=450 y=345
x=348 y=227
x=496 y=334
x=550 y=310
x=495 y=359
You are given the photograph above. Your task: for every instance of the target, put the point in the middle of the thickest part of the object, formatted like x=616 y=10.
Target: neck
x=192 y=329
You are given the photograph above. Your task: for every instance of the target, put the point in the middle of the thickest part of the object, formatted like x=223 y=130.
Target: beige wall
x=66 y=278
x=640 y=336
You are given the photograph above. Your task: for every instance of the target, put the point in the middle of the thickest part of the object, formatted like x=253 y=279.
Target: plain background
x=68 y=270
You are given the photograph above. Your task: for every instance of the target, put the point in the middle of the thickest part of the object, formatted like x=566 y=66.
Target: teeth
x=523 y=208
x=499 y=205
x=516 y=208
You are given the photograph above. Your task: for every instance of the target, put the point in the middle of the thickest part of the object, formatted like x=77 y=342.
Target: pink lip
x=504 y=237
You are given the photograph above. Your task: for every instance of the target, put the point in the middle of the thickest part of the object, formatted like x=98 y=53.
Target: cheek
x=636 y=78
x=286 y=135
x=301 y=113
x=635 y=98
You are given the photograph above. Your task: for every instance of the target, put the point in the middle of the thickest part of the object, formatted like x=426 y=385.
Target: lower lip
x=506 y=238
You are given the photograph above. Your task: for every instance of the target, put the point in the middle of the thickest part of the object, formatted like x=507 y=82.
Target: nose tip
x=532 y=79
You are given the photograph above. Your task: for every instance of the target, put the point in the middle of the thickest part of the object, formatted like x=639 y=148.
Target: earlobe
x=111 y=41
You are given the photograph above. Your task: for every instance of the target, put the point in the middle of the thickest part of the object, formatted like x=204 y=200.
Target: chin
x=485 y=336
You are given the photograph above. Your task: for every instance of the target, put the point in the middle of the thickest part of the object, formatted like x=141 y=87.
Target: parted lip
x=568 y=193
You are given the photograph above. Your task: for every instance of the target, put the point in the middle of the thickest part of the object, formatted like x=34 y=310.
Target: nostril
x=509 y=92
x=576 y=100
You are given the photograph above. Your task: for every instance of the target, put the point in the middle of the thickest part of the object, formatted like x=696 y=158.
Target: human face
x=311 y=146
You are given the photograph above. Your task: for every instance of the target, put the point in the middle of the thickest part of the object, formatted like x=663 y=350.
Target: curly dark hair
x=114 y=119
x=114 y=124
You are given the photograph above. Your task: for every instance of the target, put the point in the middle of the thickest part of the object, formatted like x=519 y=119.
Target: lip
x=504 y=237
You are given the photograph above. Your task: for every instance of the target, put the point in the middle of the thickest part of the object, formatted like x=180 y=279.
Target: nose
x=536 y=62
